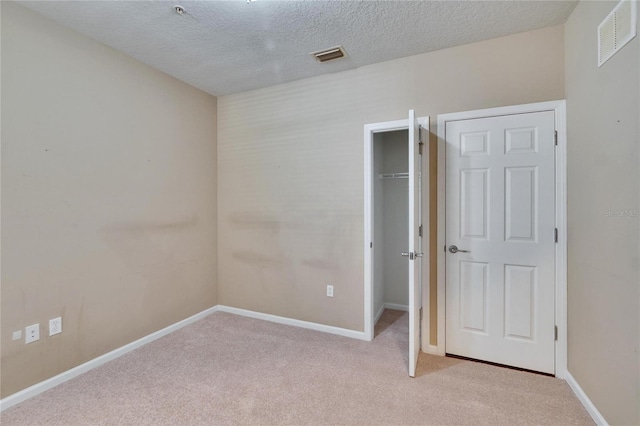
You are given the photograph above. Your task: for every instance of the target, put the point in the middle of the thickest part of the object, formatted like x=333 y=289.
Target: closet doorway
x=390 y=221
x=393 y=223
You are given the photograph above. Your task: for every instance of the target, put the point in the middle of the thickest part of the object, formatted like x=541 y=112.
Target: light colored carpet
x=226 y=369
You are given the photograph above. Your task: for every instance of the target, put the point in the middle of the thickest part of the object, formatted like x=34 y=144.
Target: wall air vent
x=617 y=29
x=329 y=54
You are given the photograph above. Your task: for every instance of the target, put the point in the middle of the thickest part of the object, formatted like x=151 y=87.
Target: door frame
x=369 y=131
x=559 y=109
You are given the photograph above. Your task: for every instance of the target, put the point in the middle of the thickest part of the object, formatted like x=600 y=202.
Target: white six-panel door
x=500 y=214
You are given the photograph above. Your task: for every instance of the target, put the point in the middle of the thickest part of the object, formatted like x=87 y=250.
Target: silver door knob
x=454 y=249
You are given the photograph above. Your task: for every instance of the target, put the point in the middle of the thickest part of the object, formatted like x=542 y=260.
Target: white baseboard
x=431 y=349
x=378 y=315
x=294 y=322
x=396 y=307
x=38 y=388
x=45 y=385
x=584 y=399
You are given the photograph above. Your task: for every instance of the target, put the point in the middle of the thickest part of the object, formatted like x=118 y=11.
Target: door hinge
x=555 y=137
x=420 y=134
x=371 y=244
x=555 y=235
x=555 y=331
x=420 y=148
x=420 y=313
x=420 y=231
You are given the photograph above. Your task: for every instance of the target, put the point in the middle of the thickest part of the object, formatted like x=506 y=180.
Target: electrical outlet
x=17 y=335
x=32 y=333
x=55 y=326
x=329 y=291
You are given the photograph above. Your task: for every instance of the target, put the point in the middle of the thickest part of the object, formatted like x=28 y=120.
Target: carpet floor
x=227 y=369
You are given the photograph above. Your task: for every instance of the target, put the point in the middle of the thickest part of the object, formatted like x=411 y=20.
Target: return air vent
x=329 y=54
x=616 y=30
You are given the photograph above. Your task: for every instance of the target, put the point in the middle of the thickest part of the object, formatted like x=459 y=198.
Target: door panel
x=521 y=189
x=520 y=288
x=473 y=296
x=474 y=199
x=414 y=243
x=500 y=209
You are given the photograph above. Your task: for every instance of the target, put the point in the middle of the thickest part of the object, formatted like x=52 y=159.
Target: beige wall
x=290 y=166
x=108 y=198
x=603 y=107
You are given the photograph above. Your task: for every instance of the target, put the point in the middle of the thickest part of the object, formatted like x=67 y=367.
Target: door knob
x=454 y=249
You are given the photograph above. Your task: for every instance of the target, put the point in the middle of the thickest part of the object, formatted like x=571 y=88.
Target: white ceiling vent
x=329 y=54
x=616 y=30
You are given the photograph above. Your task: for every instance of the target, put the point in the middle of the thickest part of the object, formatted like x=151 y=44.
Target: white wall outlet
x=17 y=335
x=32 y=333
x=329 y=291
x=55 y=326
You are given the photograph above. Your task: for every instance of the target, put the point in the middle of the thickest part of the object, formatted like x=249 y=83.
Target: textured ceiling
x=225 y=47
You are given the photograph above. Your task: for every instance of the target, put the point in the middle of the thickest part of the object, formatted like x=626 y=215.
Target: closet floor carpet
x=227 y=369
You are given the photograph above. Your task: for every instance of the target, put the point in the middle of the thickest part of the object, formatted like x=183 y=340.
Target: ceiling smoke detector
x=329 y=54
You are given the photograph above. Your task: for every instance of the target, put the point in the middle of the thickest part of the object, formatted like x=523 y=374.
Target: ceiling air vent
x=616 y=30
x=329 y=54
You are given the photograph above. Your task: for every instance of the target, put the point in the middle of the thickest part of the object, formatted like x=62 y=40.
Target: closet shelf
x=403 y=175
